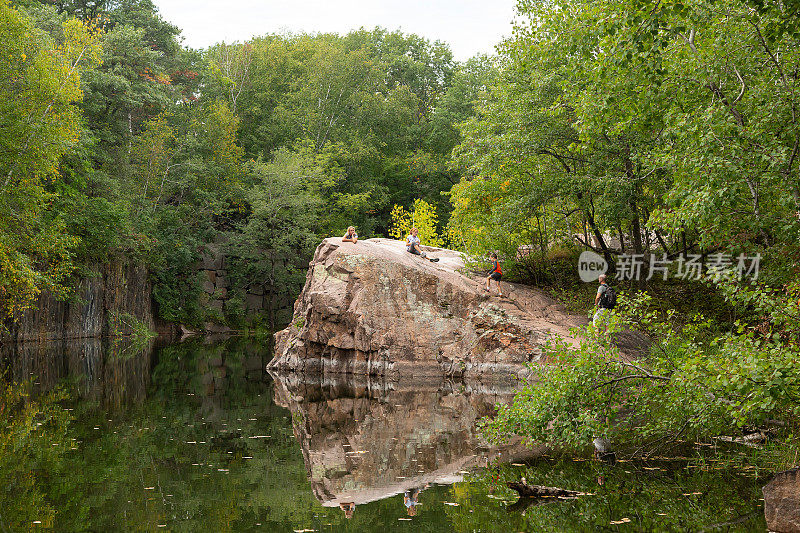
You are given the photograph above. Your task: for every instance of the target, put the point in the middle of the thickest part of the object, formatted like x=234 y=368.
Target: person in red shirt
x=496 y=273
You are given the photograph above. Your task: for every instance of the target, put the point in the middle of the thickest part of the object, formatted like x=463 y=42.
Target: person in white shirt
x=412 y=245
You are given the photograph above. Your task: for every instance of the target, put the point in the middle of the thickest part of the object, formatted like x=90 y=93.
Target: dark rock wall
x=217 y=289
x=113 y=289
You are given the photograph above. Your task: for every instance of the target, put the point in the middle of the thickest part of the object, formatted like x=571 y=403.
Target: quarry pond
x=198 y=436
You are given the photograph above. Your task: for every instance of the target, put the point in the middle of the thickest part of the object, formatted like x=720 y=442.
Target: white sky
x=468 y=26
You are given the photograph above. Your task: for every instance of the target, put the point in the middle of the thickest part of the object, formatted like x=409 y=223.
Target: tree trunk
x=601 y=242
x=636 y=230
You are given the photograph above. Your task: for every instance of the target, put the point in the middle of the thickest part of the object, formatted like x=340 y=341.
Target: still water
x=199 y=437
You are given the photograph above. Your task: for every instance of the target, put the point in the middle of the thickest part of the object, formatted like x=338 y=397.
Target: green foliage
x=695 y=384
x=610 y=117
x=125 y=324
x=268 y=250
x=423 y=217
x=145 y=147
x=34 y=439
x=39 y=124
x=173 y=256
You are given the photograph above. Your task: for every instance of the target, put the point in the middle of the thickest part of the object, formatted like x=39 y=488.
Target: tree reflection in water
x=199 y=437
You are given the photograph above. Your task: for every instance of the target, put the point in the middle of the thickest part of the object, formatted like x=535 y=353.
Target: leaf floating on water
x=620 y=521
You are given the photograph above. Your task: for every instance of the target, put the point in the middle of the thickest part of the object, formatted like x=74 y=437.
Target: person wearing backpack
x=605 y=300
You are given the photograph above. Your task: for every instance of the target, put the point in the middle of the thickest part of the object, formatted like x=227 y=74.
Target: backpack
x=609 y=298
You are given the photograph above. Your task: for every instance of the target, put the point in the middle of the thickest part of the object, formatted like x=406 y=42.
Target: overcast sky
x=469 y=26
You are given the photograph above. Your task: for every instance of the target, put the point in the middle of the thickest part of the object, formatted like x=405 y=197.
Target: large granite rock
x=373 y=308
x=782 y=502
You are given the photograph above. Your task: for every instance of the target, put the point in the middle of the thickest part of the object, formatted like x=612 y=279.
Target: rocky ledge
x=373 y=308
x=782 y=502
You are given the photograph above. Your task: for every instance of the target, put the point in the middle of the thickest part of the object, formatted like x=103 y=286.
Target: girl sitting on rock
x=412 y=245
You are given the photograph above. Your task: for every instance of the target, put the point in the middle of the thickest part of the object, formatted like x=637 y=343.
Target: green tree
x=39 y=124
x=270 y=248
x=423 y=217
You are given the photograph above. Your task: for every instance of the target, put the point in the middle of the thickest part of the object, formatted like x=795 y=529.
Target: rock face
x=374 y=308
x=782 y=502
x=115 y=289
x=365 y=439
x=218 y=289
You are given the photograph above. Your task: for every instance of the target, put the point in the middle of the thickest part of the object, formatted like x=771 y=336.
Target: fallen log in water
x=540 y=491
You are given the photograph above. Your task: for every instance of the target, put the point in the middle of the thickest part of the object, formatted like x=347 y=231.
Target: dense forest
x=120 y=142
x=663 y=129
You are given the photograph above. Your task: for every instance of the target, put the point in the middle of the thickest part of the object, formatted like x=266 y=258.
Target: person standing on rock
x=412 y=245
x=496 y=273
x=350 y=235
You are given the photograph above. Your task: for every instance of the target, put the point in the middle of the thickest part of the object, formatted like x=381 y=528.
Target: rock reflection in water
x=364 y=439
x=113 y=372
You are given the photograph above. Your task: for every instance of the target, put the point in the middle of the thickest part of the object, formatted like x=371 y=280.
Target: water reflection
x=365 y=439
x=198 y=437
x=113 y=372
